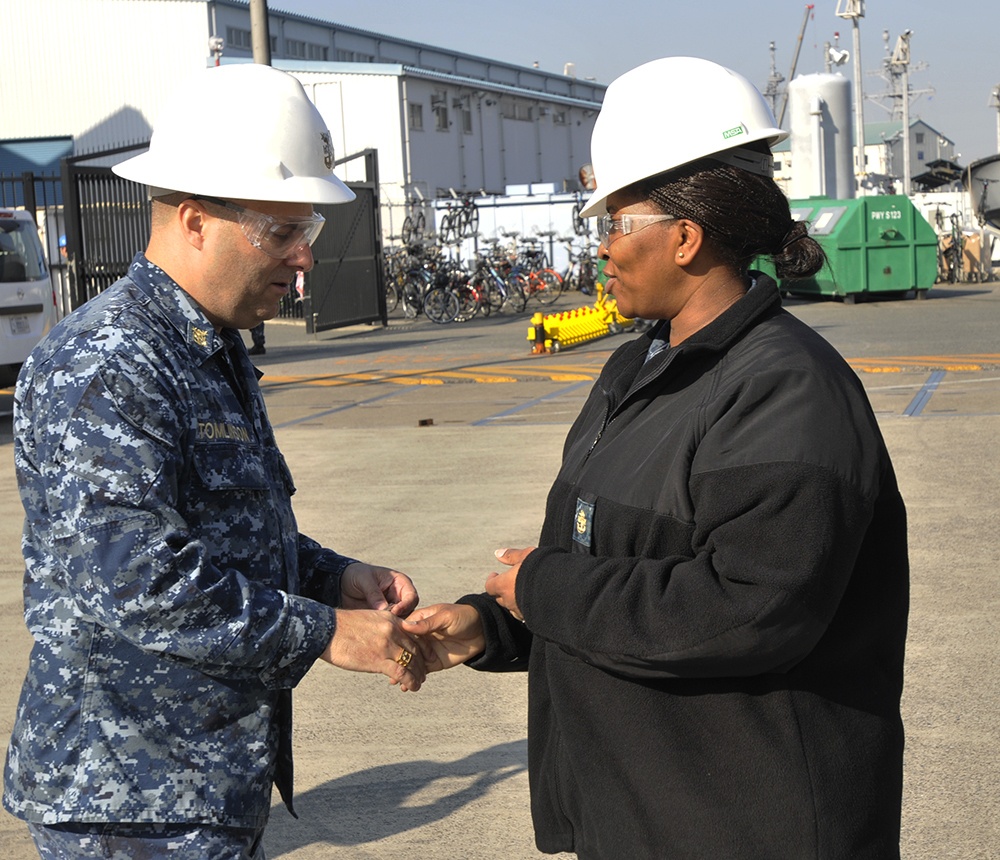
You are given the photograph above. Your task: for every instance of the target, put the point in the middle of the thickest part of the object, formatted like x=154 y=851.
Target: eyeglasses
x=622 y=225
x=276 y=237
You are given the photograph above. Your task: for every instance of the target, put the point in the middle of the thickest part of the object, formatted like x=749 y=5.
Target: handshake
x=392 y=637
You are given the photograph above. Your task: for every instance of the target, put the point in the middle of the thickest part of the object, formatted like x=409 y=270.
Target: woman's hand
x=448 y=633
x=502 y=585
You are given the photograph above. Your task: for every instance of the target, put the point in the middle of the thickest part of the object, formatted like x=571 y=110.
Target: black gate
x=346 y=286
x=107 y=222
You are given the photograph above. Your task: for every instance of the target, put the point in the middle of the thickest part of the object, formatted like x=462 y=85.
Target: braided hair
x=744 y=216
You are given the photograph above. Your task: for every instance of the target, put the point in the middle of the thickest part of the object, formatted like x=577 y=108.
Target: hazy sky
x=954 y=50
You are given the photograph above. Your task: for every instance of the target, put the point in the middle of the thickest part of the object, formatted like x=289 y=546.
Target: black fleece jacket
x=716 y=613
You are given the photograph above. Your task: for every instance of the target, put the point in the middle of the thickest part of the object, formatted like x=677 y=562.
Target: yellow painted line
x=346 y=379
x=554 y=375
x=515 y=371
x=897 y=364
x=473 y=375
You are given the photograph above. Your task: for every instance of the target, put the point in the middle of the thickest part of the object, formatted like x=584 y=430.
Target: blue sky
x=955 y=48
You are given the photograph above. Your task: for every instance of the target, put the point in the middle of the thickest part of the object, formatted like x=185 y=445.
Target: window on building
x=464 y=107
x=920 y=155
x=439 y=104
x=350 y=56
x=416 y=116
x=515 y=109
x=295 y=48
x=237 y=38
x=559 y=117
x=317 y=52
x=920 y=137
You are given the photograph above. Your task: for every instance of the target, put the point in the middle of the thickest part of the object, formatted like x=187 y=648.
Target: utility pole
x=995 y=96
x=901 y=60
x=774 y=81
x=260 y=35
x=855 y=10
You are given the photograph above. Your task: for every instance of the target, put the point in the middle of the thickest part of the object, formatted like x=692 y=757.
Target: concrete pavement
x=431 y=476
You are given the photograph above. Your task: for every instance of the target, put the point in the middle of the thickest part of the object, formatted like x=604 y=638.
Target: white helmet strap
x=747 y=159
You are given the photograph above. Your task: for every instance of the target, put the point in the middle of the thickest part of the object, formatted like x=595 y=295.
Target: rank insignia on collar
x=199 y=336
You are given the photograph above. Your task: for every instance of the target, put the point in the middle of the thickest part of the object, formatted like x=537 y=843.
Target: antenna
x=773 y=82
x=855 y=10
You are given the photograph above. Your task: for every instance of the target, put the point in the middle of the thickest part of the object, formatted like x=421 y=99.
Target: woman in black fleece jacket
x=714 y=619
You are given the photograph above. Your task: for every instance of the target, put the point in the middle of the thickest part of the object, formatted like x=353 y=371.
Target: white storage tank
x=822 y=147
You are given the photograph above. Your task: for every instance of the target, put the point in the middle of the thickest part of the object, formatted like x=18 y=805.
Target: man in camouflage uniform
x=173 y=603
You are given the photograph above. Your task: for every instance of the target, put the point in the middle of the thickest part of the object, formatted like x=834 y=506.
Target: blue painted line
x=343 y=408
x=924 y=395
x=528 y=404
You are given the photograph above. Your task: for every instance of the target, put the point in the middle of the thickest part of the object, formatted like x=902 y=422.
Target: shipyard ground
x=425 y=447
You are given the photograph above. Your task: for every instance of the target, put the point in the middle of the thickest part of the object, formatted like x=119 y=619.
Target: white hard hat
x=669 y=112
x=245 y=131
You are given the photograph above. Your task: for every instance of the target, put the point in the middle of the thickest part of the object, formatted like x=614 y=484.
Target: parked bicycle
x=460 y=220
x=581 y=270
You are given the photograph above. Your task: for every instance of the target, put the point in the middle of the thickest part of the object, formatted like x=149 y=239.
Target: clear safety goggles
x=622 y=225
x=276 y=237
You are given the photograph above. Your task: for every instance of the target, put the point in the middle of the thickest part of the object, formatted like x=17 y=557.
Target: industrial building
x=440 y=119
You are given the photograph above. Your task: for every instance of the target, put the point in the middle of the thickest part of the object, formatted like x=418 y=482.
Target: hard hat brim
x=146 y=169
x=597 y=202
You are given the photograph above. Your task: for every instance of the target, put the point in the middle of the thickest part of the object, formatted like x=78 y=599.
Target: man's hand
x=365 y=586
x=450 y=634
x=373 y=641
x=502 y=585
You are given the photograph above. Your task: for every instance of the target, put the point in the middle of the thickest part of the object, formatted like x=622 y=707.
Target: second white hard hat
x=245 y=131
x=669 y=112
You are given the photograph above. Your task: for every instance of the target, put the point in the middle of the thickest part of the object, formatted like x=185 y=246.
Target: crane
x=795 y=59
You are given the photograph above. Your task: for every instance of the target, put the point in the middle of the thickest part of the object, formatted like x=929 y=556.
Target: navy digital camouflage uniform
x=173 y=602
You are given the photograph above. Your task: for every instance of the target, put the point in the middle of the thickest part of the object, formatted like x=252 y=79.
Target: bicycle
x=543 y=283
x=415 y=222
x=500 y=291
x=460 y=220
x=443 y=301
x=581 y=271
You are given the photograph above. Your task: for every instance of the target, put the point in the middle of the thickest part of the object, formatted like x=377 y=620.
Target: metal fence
x=42 y=194
x=93 y=222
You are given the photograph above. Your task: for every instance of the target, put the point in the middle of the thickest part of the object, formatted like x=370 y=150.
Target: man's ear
x=193 y=221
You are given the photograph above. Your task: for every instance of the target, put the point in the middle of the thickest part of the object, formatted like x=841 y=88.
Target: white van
x=27 y=298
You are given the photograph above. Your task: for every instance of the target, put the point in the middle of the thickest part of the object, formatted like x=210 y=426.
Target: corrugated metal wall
x=99 y=69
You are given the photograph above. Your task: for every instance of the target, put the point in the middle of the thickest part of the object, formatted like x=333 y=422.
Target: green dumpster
x=877 y=245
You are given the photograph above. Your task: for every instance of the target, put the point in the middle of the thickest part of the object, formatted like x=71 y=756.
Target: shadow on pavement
x=384 y=801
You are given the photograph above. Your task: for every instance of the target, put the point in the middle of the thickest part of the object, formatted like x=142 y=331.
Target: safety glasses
x=276 y=237
x=622 y=225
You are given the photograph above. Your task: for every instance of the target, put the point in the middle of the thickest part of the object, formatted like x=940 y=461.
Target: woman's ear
x=688 y=238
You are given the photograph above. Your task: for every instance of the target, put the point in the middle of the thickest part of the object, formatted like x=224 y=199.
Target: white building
x=932 y=159
x=84 y=76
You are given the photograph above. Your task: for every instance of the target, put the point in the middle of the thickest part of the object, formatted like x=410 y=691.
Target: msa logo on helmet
x=733 y=132
x=327 y=142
